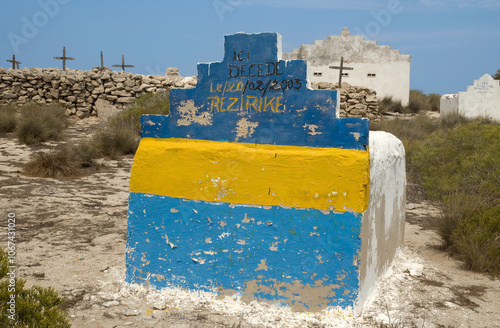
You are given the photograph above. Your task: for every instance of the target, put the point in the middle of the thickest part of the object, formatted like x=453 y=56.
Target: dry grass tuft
x=39 y=123
x=7 y=119
x=62 y=163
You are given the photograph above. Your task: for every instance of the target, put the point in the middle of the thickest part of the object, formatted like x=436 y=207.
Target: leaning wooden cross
x=123 y=64
x=341 y=68
x=14 y=62
x=64 y=58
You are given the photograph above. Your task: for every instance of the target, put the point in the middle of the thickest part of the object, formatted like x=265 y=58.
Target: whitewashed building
x=482 y=99
x=377 y=67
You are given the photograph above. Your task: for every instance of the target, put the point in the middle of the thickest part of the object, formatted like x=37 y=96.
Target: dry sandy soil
x=71 y=235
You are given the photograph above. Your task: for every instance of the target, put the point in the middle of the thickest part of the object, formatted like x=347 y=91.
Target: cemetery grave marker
x=14 y=62
x=341 y=69
x=482 y=99
x=252 y=185
x=123 y=64
x=64 y=58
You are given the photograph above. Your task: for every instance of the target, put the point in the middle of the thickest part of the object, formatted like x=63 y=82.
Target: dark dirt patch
x=463 y=295
x=430 y=282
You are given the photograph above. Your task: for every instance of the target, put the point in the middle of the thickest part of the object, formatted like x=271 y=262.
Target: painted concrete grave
x=253 y=186
x=482 y=99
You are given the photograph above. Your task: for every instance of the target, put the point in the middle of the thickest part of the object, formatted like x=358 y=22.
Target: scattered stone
x=110 y=304
x=355 y=101
x=105 y=110
x=172 y=71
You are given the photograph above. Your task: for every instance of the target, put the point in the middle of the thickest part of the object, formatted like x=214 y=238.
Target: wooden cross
x=341 y=68
x=64 y=58
x=14 y=62
x=102 y=61
x=123 y=64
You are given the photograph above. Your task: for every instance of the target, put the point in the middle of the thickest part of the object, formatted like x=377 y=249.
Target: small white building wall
x=391 y=69
x=391 y=79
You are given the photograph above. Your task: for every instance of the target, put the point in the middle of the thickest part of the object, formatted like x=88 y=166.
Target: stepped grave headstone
x=254 y=186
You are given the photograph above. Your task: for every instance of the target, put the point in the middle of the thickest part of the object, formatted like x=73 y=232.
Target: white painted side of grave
x=382 y=230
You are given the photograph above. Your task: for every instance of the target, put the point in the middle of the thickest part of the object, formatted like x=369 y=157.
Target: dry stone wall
x=355 y=101
x=82 y=92
x=99 y=91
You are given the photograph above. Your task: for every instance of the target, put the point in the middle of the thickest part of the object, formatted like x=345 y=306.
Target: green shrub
x=452 y=120
x=464 y=158
x=417 y=102
x=434 y=102
x=460 y=167
x=34 y=307
x=122 y=136
x=456 y=161
x=416 y=128
x=477 y=240
x=420 y=102
x=150 y=103
x=87 y=152
x=7 y=119
x=39 y=123
x=62 y=163
x=456 y=208
x=113 y=142
x=388 y=104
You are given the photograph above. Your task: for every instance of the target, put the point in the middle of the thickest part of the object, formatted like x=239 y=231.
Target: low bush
x=464 y=159
x=456 y=161
x=477 y=240
x=7 y=119
x=62 y=163
x=34 y=307
x=409 y=131
x=150 y=103
x=113 y=142
x=388 y=104
x=418 y=102
x=452 y=120
x=434 y=102
x=122 y=136
x=39 y=123
x=460 y=168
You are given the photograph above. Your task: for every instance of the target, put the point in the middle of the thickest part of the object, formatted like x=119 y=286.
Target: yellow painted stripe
x=304 y=177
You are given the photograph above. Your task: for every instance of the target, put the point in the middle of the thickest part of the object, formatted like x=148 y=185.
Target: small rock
x=110 y=304
x=172 y=71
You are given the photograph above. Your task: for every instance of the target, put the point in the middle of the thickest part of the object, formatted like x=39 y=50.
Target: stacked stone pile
x=81 y=92
x=354 y=101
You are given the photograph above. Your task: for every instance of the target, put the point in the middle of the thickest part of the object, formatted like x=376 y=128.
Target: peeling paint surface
x=245 y=128
x=305 y=177
x=253 y=84
x=272 y=261
x=251 y=186
x=190 y=114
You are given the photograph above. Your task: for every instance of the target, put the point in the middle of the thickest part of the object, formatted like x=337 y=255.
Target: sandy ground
x=71 y=235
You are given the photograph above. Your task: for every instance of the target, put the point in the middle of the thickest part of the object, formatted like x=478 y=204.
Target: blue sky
x=452 y=42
